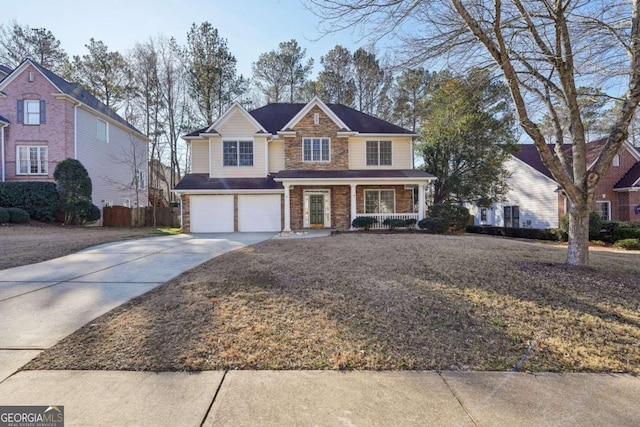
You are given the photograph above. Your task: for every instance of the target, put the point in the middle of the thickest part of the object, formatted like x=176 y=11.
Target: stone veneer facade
x=186 y=213
x=326 y=128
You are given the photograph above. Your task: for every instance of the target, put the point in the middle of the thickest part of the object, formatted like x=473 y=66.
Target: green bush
x=434 y=225
x=18 y=216
x=75 y=192
x=623 y=233
x=4 y=216
x=458 y=216
x=519 y=233
x=87 y=212
x=399 y=223
x=40 y=199
x=595 y=225
x=628 y=244
x=364 y=222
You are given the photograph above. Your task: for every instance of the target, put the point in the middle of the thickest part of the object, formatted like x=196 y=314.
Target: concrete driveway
x=43 y=303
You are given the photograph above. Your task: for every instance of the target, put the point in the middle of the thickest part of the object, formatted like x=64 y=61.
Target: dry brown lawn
x=369 y=301
x=22 y=244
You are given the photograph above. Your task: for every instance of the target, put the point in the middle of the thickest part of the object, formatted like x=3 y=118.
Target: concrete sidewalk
x=283 y=398
x=43 y=303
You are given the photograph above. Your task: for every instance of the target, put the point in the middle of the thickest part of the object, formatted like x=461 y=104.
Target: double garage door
x=256 y=212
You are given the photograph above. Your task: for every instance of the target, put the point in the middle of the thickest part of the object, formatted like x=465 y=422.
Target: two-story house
x=535 y=199
x=298 y=166
x=45 y=119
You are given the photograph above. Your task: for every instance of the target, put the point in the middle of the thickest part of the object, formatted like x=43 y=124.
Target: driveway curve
x=43 y=303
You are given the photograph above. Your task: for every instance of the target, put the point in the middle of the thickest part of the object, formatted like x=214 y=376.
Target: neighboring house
x=535 y=199
x=160 y=183
x=44 y=119
x=299 y=166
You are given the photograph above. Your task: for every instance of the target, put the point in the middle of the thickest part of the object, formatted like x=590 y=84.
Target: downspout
x=75 y=130
x=4 y=166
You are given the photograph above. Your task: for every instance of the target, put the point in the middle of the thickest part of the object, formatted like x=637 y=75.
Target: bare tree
x=544 y=49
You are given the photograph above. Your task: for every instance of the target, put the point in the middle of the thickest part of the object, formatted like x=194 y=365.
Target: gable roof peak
x=316 y=102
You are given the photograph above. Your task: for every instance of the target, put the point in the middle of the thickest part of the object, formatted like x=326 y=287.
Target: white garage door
x=259 y=212
x=211 y=214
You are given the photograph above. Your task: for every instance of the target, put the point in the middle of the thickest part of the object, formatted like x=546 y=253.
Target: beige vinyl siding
x=200 y=156
x=255 y=171
x=401 y=152
x=110 y=164
x=237 y=124
x=276 y=156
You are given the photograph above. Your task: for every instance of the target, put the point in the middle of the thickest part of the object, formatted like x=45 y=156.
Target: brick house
x=45 y=119
x=287 y=167
x=535 y=200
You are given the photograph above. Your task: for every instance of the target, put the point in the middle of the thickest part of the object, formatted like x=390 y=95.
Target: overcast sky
x=251 y=27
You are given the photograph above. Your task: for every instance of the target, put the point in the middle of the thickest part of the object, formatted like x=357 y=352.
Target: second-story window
x=237 y=153
x=316 y=149
x=103 y=131
x=379 y=153
x=31 y=111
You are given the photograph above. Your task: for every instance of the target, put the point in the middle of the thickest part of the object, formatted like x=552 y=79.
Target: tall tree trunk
x=578 y=251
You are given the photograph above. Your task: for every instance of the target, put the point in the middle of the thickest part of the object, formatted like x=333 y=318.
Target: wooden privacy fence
x=121 y=216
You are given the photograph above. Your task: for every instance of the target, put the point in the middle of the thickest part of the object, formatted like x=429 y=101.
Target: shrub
x=595 y=225
x=364 y=222
x=87 y=212
x=458 y=216
x=628 y=244
x=40 y=199
x=75 y=191
x=398 y=223
x=598 y=243
x=623 y=233
x=4 y=216
x=18 y=216
x=520 y=233
x=434 y=225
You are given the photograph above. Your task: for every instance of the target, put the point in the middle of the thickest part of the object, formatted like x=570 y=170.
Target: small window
x=316 y=149
x=379 y=201
x=31 y=112
x=316 y=118
x=604 y=209
x=32 y=160
x=237 y=153
x=379 y=153
x=126 y=203
x=512 y=216
x=483 y=214
x=107 y=203
x=103 y=131
x=616 y=160
x=141 y=180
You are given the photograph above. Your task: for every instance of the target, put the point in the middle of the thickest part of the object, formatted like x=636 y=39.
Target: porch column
x=420 y=201
x=287 y=208
x=354 y=211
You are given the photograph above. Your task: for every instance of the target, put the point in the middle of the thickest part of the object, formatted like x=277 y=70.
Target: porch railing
x=381 y=217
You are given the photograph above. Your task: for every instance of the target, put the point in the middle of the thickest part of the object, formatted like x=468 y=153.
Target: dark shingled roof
x=201 y=181
x=352 y=174
x=78 y=92
x=2 y=119
x=4 y=71
x=273 y=117
x=630 y=178
x=197 y=132
x=528 y=153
